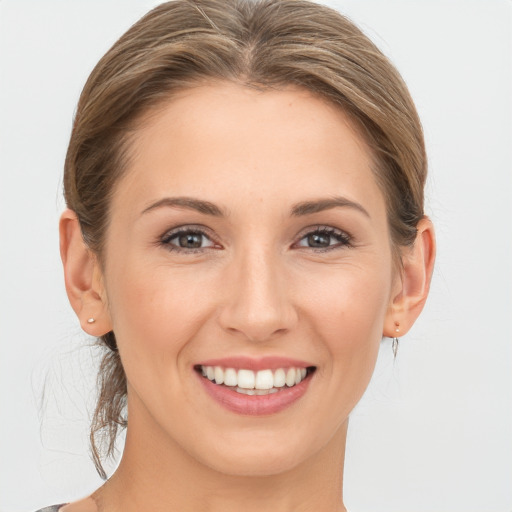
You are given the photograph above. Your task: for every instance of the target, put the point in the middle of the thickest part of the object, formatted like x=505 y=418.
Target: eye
x=187 y=239
x=325 y=238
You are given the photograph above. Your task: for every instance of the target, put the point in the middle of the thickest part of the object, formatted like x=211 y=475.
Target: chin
x=264 y=454
x=263 y=464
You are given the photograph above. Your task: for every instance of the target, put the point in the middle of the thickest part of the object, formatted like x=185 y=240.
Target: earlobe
x=414 y=285
x=82 y=276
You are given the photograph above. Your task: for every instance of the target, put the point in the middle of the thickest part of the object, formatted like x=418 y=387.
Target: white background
x=434 y=431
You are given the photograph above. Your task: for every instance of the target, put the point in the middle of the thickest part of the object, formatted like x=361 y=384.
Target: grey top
x=53 y=508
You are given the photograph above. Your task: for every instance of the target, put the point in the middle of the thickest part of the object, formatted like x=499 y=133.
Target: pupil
x=190 y=241
x=318 y=240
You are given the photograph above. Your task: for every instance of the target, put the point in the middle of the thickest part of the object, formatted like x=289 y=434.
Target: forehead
x=225 y=141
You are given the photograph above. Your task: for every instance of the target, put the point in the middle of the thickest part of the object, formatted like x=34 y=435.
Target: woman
x=245 y=223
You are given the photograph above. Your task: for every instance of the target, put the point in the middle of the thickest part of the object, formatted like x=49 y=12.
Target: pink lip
x=255 y=364
x=255 y=405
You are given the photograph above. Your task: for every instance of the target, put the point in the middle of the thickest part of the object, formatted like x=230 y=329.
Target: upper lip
x=256 y=363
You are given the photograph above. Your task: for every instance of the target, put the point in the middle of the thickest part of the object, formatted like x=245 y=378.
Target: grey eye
x=318 y=240
x=190 y=240
x=187 y=239
x=325 y=238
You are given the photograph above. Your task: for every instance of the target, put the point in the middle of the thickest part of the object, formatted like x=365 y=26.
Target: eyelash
x=343 y=239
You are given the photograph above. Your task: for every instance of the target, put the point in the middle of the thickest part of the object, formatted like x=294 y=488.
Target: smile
x=249 y=382
x=250 y=386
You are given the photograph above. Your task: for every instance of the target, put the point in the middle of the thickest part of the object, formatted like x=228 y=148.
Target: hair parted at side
x=257 y=43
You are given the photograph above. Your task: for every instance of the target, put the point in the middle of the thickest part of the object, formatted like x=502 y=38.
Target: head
x=261 y=111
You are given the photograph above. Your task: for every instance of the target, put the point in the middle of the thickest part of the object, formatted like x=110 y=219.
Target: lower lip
x=255 y=405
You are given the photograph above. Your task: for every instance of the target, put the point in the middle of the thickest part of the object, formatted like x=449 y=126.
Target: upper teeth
x=248 y=379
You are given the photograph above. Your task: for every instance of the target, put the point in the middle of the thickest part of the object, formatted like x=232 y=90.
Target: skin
x=255 y=287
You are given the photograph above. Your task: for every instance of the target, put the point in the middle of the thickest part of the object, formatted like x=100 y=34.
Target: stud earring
x=91 y=320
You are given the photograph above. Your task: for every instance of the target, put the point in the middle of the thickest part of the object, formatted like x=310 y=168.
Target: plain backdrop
x=434 y=430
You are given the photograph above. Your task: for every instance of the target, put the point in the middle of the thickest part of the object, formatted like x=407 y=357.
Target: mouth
x=255 y=383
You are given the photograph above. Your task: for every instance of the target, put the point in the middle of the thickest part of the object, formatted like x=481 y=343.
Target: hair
x=256 y=43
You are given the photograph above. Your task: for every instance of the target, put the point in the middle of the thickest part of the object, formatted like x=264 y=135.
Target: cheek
x=347 y=308
x=154 y=308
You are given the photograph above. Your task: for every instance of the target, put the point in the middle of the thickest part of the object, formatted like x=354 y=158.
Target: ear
x=413 y=283
x=83 y=278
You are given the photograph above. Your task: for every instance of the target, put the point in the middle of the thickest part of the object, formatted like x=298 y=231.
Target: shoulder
x=85 y=505
x=53 y=508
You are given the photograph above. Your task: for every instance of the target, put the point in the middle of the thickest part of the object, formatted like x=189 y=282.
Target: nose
x=259 y=302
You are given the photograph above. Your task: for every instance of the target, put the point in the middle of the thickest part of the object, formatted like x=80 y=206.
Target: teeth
x=246 y=391
x=249 y=382
x=246 y=379
x=280 y=378
x=264 y=380
x=256 y=391
x=265 y=391
x=219 y=375
x=230 y=377
x=290 y=377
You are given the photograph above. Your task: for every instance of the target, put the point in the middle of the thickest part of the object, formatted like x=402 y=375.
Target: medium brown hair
x=257 y=43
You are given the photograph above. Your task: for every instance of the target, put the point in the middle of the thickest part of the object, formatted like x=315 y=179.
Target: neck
x=157 y=474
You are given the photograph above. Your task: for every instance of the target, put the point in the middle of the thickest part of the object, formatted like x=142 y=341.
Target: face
x=248 y=242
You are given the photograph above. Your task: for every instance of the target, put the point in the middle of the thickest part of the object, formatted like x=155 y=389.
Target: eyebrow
x=298 y=210
x=189 y=203
x=319 y=205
